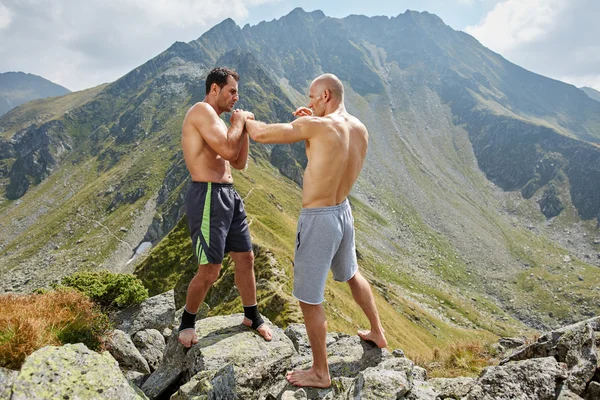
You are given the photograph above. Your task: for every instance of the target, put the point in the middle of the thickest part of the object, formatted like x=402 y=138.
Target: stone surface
x=157 y=312
x=151 y=344
x=7 y=377
x=575 y=345
x=224 y=340
x=535 y=379
x=453 y=387
x=119 y=344
x=72 y=372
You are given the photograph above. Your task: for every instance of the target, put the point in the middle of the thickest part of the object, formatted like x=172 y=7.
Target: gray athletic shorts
x=324 y=240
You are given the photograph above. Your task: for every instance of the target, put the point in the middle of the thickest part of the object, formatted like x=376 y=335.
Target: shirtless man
x=336 y=146
x=214 y=209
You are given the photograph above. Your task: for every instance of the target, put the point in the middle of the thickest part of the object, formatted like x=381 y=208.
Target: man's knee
x=209 y=273
x=243 y=260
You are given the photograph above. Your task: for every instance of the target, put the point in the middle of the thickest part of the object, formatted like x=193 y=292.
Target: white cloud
x=555 y=38
x=513 y=23
x=5 y=17
x=80 y=46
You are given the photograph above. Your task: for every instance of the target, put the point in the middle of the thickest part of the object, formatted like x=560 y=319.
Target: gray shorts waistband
x=326 y=210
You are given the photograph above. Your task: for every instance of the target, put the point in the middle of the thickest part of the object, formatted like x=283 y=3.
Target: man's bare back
x=336 y=146
x=336 y=153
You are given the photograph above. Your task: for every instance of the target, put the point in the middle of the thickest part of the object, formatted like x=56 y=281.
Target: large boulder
x=157 y=312
x=72 y=372
x=575 y=345
x=223 y=340
x=535 y=379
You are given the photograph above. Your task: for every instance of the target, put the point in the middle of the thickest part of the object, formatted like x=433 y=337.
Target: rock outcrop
x=232 y=361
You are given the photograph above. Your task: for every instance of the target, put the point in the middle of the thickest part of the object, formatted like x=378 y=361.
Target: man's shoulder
x=201 y=110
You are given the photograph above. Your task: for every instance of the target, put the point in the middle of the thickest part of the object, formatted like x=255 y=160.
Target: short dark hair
x=219 y=76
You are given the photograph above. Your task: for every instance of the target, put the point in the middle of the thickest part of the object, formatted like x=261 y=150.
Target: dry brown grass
x=461 y=359
x=30 y=322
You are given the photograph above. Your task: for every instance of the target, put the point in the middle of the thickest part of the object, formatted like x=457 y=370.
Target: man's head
x=222 y=87
x=326 y=90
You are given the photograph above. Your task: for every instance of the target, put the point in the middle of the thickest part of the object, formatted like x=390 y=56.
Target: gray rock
x=593 y=391
x=455 y=388
x=421 y=390
x=119 y=344
x=511 y=343
x=535 y=379
x=299 y=337
x=419 y=374
x=297 y=395
x=135 y=377
x=398 y=353
x=224 y=340
x=151 y=345
x=350 y=355
x=72 y=371
x=217 y=385
x=7 y=377
x=378 y=383
x=157 y=312
x=566 y=394
x=574 y=345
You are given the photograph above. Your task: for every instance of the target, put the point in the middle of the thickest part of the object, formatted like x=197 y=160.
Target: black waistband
x=213 y=184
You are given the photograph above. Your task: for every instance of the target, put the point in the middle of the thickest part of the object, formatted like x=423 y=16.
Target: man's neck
x=335 y=108
x=210 y=101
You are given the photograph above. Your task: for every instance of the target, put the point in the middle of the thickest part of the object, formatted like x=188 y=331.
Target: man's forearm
x=234 y=135
x=242 y=159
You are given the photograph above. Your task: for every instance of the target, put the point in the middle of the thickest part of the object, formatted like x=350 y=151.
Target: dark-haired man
x=214 y=209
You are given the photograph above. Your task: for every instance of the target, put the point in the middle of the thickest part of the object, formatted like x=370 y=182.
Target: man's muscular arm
x=301 y=129
x=242 y=160
x=224 y=142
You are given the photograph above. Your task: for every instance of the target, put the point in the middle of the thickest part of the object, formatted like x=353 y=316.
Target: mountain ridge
x=17 y=88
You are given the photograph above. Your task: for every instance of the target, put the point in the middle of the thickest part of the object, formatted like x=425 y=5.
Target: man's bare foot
x=264 y=329
x=377 y=338
x=308 y=378
x=188 y=337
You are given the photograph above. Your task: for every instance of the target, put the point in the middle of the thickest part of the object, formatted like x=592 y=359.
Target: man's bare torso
x=203 y=163
x=336 y=154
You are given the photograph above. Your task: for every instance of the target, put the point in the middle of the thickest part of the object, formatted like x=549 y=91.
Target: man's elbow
x=256 y=136
x=230 y=154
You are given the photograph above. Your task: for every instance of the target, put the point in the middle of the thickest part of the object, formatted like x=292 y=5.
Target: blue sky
x=82 y=46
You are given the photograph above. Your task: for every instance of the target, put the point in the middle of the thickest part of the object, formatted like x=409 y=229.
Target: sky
x=83 y=43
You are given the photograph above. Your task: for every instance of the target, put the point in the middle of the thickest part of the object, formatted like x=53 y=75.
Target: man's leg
x=207 y=274
x=316 y=327
x=361 y=291
x=246 y=284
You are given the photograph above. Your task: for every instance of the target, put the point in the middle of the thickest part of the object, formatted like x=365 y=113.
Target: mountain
x=591 y=92
x=18 y=87
x=476 y=212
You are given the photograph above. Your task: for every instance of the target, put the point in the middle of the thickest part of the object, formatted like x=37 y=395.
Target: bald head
x=332 y=83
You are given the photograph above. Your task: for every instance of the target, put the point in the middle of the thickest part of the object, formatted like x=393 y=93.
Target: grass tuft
x=30 y=322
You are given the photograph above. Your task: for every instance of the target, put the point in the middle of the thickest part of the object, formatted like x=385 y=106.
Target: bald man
x=336 y=146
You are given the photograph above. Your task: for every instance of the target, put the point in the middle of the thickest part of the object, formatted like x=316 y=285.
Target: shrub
x=30 y=322
x=107 y=289
x=462 y=359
